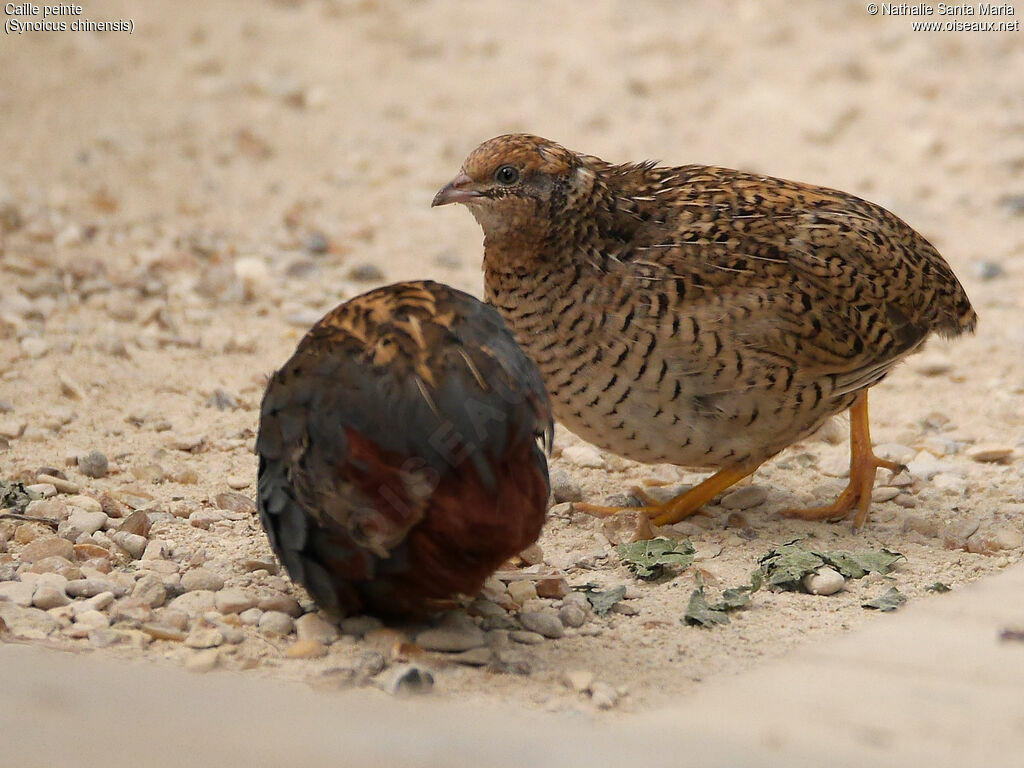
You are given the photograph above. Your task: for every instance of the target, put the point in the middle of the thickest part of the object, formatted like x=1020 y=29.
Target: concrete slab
x=931 y=685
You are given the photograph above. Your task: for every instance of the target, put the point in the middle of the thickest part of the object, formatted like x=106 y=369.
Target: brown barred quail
x=702 y=316
x=399 y=461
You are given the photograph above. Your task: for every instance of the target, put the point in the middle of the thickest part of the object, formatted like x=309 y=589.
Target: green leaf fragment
x=700 y=614
x=647 y=559
x=703 y=614
x=602 y=602
x=938 y=587
x=786 y=566
x=855 y=565
x=890 y=601
x=13 y=496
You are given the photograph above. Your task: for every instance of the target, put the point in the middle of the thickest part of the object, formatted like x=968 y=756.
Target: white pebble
x=824 y=581
x=946 y=481
x=990 y=453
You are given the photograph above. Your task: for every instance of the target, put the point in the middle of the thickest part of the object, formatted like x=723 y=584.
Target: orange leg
x=863 y=465
x=683 y=505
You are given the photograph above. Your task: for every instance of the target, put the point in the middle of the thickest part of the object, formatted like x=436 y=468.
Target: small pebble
x=365 y=273
x=233 y=601
x=526 y=637
x=450 y=640
x=563 y=487
x=163 y=632
x=137 y=523
x=988 y=270
x=204 y=518
x=52 y=509
x=40 y=490
x=988 y=542
x=572 y=616
x=532 y=555
x=92 y=587
x=81 y=523
x=92 y=619
x=48 y=596
x=583 y=455
x=57 y=565
x=104 y=638
x=554 y=589
x=155 y=550
x=204 y=637
x=61 y=484
x=93 y=464
x=542 y=622
x=238 y=483
x=49 y=547
x=925 y=466
x=193 y=604
x=276 y=623
x=150 y=590
x=926 y=526
x=521 y=591
x=281 y=603
x=250 y=617
x=306 y=649
x=945 y=481
x=745 y=498
x=884 y=493
x=17 y=592
x=956 y=534
x=89 y=504
x=824 y=581
x=233 y=501
x=990 y=453
x=201 y=579
x=312 y=626
x=474 y=657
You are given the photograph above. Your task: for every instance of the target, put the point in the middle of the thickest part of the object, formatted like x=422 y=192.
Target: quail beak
x=458 y=190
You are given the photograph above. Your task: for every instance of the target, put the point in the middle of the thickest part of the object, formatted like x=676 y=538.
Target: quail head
x=399 y=453
x=698 y=315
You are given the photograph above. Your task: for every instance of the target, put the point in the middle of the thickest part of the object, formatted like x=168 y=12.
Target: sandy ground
x=177 y=205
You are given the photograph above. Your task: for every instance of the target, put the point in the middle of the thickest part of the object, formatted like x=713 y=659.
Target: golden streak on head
x=528 y=153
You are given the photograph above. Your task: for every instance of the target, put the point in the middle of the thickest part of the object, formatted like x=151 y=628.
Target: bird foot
x=680 y=507
x=856 y=495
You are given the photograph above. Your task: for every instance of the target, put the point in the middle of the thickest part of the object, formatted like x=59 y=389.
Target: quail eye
x=507 y=175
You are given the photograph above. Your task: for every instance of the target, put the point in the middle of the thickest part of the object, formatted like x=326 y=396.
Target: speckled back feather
x=398 y=450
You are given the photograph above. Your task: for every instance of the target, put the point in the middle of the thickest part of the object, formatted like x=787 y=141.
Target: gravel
x=93 y=464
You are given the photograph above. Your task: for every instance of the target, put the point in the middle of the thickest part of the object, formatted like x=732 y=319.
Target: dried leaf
x=855 y=565
x=602 y=602
x=700 y=614
x=786 y=566
x=647 y=559
x=13 y=496
x=890 y=601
